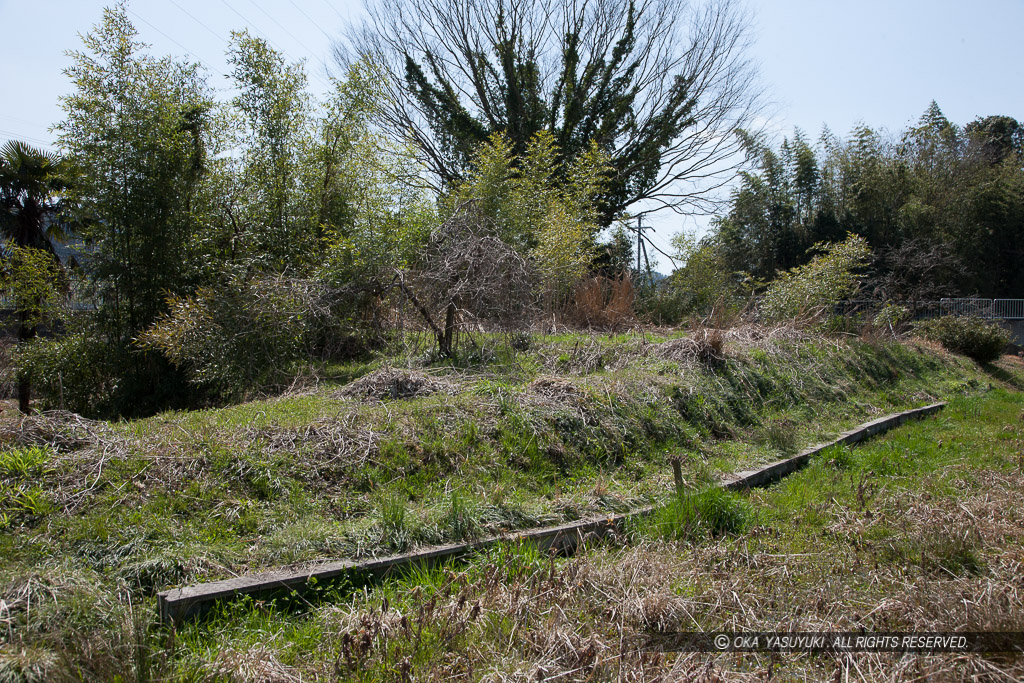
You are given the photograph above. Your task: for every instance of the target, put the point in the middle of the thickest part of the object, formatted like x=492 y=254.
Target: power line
x=312 y=21
x=212 y=32
x=26 y=122
x=27 y=138
x=303 y=12
x=187 y=51
x=302 y=44
x=335 y=9
x=278 y=24
x=255 y=28
x=226 y=42
x=263 y=35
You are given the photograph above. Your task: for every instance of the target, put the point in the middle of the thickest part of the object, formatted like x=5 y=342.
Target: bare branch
x=662 y=85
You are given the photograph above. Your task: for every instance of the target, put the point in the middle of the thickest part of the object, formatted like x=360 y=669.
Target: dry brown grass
x=394 y=383
x=60 y=429
x=555 y=389
x=704 y=344
x=583 y=620
x=603 y=303
x=259 y=663
x=584 y=358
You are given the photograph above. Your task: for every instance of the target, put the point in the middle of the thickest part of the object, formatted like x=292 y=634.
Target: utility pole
x=641 y=247
x=639 y=243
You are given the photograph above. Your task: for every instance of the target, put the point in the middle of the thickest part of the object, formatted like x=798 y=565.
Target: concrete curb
x=179 y=604
x=776 y=470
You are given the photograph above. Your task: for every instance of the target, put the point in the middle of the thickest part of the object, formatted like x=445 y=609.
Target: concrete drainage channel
x=180 y=604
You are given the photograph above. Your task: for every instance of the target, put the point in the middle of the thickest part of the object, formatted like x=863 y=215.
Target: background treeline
x=939 y=207
x=210 y=233
x=942 y=206
x=224 y=246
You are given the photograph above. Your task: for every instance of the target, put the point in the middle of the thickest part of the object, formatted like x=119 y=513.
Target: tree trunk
x=449 y=329
x=444 y=337
x=25 y=333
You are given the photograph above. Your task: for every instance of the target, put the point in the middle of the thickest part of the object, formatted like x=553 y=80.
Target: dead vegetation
x=706 y=345
x=189 y=496
x=555 y=389
x=390 y=383
x=60 y=429
x=603 y=303
x=522 y=616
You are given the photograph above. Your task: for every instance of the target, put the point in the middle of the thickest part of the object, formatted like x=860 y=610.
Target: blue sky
x=836 y=63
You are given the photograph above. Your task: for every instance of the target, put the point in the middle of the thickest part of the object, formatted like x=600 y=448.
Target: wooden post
x=677 y=471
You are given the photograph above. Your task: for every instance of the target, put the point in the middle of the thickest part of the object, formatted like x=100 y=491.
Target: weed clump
x=710 y=512
x=21 y=499
x=396 y=530
x=838 y=458
x=779 y=434
x=30 y=461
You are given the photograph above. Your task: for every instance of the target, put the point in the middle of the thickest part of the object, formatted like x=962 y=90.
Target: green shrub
x=980 y=339
x=7 y=369
x=663 y=304
x=74 y=372
x=86 y=373
x=713 y=511
x=249 y=335
x=700 y=286
x=33 y=281
x=810 y=291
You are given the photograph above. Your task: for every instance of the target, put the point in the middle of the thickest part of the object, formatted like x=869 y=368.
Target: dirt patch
x=1015 y=360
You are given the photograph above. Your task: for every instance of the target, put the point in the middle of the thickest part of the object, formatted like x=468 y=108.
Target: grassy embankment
x=99 y=516
x=918 y=530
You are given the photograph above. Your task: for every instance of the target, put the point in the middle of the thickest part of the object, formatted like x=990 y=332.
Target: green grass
x=692 y=515
x=527 y=439
x=892 y=534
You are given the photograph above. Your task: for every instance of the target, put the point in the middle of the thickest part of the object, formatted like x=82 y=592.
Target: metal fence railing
x=1004 y=309
x=1008 y=309
x=1001 y=309
x=981 y=308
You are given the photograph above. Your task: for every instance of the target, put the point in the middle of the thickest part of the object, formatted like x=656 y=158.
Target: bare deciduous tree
x=661 y=85
x=468 y=272
x=917 y=270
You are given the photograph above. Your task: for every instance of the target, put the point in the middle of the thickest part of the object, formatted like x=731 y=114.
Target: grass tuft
x=709 y=512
